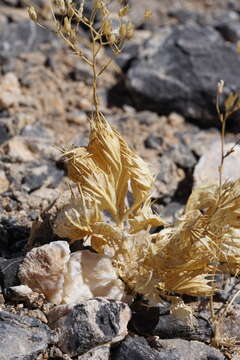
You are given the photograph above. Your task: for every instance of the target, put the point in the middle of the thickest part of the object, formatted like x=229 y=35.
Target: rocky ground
x=160 y=94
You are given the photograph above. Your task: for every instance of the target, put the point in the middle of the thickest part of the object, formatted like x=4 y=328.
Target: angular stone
x=8 y=272
x=176 y=70
x=10 y=91
x=186 y=350
x=166 y=326
x=66 y=278
x=89 y=324
x=206 y=171
x=17 y=150
x=98 y=353
x=43 y=269
x=22 y=337
x=137 y=348
x=17 y=38
x=4 y=183
x=167 y=179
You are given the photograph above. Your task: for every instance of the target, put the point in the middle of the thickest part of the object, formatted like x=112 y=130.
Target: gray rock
x=178 y=70
x=22 y=37
x=230 y=31
x=137 y=348
x=168 y=179
x=89 y=324
x=186 y=350
x=166 y=326
x=99 y=353
x=11 y=2
x=8 y=272
x=229 y=324
x=4 y=132
x=22 y=337
x=182 y=155
x=153 y=142
x=36 y=175
x=23 y=294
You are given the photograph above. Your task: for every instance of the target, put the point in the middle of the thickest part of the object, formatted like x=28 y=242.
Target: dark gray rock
x=230 y=31
x=37 y=131
x=4 y=132
x=11 y=2
x=182 y=155
x=137 y=348
x=13 y=236
x=36 y=175
x=166 y=326
x=25 y=36
x=8 y=272
x=178 y=70
x=153 y=142
x=186 y=350
x=227 y=23
x=22 y=337
x=89 y=324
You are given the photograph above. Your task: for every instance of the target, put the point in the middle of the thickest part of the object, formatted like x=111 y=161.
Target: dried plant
x=111 y=205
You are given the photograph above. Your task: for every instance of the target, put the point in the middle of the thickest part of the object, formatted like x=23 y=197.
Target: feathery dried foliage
x=112 y=206
x=182 y=258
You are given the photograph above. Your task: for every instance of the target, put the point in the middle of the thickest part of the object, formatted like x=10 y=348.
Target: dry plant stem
x=95 y=52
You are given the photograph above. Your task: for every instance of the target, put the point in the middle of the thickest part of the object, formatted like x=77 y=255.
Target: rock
x=183 y=15
x=40 y=140
x=88 y=324
x=23 y=294
x=8 y=272
x=137 y=348
x=176 y=71
x=22 y=337
x=17 y=150
x=13 y=236
x=10 y=92
x=81 y=72
x=153 y=142
x=69 y=278
x=186 y=350
x=25 y=36
x=4 y=183
x=206 y=171
x=229 y=324
x=166 y=326
x=4 y=132
x=131 y=48
x=98 y=353
x=38 y=175
x=171 y=211
x=182 y=155
x=167 y=179
x=230 y=31
x=43 y=270
x=137 y=13
x=11 y=125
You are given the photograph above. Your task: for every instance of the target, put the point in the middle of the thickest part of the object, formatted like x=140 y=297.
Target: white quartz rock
x=91 y=275
x=66 y=278
x=44 y=268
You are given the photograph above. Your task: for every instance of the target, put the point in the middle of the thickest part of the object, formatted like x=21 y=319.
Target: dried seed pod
x=32 y=13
